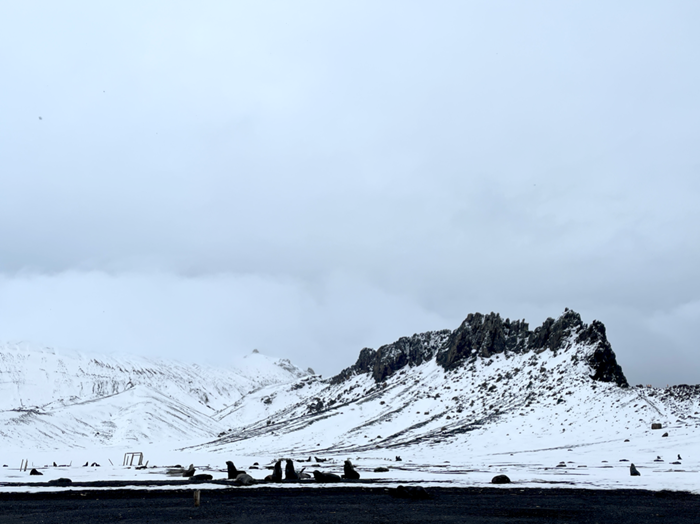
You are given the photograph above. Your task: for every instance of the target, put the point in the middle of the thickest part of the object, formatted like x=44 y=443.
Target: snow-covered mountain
x=56 y=398
x=450 y=388
x=489 y=382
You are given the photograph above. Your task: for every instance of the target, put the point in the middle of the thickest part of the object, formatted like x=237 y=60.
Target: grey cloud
x=437 y=160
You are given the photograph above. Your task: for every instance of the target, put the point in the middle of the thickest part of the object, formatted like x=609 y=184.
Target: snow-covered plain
x=536 y=416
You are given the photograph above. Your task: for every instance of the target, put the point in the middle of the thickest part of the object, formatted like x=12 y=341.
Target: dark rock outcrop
x=388 y=359
x=483 y=336
x=487 y=335
x=602 y=360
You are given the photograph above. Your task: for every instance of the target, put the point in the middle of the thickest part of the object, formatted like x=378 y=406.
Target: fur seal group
x=349 y=471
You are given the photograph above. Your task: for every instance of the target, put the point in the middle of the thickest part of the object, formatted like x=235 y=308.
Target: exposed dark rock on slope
x=406 y=351
x=481 y=336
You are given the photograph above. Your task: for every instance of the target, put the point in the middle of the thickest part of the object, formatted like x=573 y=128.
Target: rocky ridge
x=482 y=336
x=441 y=387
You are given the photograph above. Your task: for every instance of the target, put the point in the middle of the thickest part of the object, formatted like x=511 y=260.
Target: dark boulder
x=60 y=482
x=410 y=492
x=500 y=479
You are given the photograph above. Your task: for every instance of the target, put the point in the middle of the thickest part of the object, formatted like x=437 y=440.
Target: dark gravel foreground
x=351 y=505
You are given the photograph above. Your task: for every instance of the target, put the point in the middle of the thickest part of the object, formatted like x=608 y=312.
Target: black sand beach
x=351 y=505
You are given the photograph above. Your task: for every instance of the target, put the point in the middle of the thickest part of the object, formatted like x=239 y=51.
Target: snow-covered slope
x=491 y=388
x=559 y=385
x=54 y=398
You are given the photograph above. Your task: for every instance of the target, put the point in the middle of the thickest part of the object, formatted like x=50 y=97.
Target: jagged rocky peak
x=406 y=351
x=482 y=336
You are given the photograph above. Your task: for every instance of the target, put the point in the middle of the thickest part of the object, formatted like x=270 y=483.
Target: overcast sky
x=198 y=179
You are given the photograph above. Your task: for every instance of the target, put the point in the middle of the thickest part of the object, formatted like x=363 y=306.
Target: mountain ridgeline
x=482 y=336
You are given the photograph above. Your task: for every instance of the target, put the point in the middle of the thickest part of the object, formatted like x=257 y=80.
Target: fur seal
x=634 y=471
x=189 y=472
x=320 y=460
x=232 y=471
x=35 y=472
x=303 y=475
x=349 y=471
x=326 y=477
x=289 y=472
x=244 y=479
x=276 y=473
x=381 y=469
x=201 y=476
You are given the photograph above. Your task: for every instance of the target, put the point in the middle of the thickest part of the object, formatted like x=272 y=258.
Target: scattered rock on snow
x=500 y=479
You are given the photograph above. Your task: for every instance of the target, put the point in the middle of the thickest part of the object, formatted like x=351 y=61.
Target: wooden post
x=196 y=498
